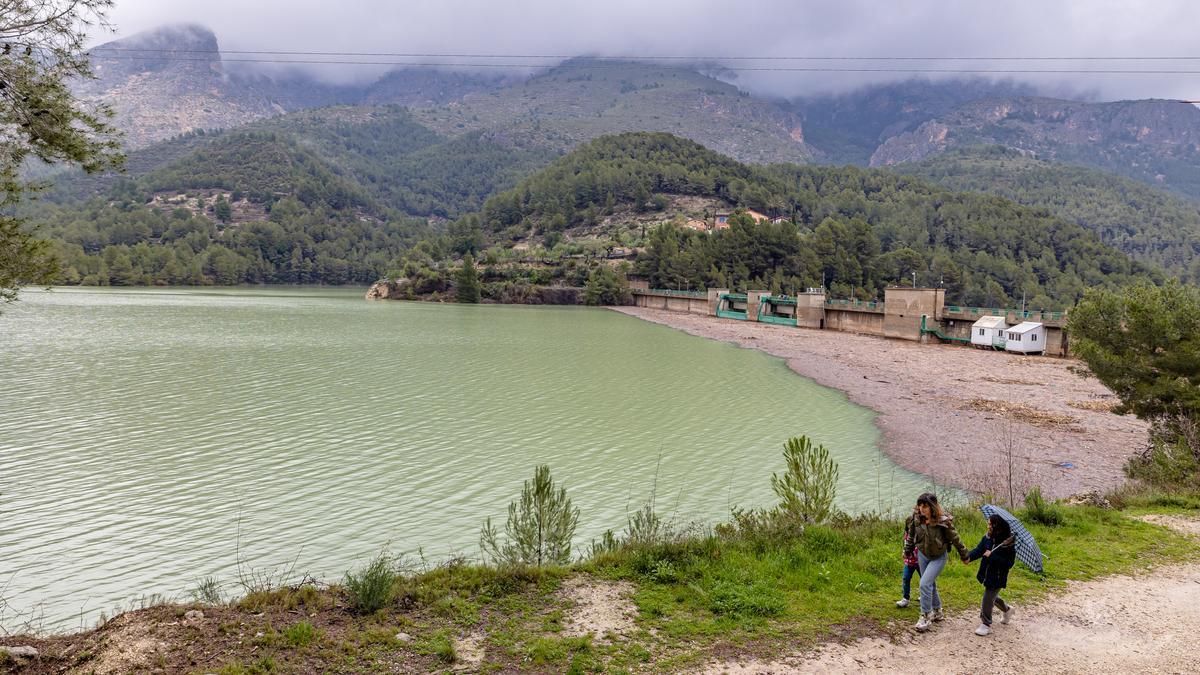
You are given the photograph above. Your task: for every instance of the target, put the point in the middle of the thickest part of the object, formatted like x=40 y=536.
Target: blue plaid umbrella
x=1027 y=549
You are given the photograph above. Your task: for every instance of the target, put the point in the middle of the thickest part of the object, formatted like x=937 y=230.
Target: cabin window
x=1034 y=338
x=981 y=331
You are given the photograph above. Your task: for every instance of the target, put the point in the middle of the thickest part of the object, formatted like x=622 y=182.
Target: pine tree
x=43 y=49
x=540 y=526
x=466 y=282
x=222 y=210
x=806 y=490
x=606 y=286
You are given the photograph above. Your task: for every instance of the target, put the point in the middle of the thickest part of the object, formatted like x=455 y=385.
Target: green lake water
x=152 y=437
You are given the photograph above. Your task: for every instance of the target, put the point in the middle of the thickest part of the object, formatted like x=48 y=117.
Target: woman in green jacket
x=932 y=534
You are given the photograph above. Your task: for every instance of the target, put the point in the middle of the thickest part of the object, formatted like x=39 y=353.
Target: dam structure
x=916 y=314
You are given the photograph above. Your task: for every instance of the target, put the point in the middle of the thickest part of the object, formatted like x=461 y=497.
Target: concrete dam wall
x=918 y=314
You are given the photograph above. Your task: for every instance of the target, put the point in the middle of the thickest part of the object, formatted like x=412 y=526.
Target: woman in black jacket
x=997 y=555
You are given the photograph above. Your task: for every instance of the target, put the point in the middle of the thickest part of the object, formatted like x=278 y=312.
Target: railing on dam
x=859 y=305
x=675 y=293
x=1032 y=315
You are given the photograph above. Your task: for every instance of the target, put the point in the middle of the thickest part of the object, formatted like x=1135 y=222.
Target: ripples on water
x=141 y=430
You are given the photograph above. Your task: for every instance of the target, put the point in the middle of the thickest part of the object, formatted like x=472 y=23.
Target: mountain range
x=418 y=153
x=173 y=80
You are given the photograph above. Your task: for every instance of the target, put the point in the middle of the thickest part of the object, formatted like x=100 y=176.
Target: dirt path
x=951 y=412
x=1123 y=624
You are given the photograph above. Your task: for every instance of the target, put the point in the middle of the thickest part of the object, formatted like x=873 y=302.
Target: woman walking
x=996 y=555
x=931 y=534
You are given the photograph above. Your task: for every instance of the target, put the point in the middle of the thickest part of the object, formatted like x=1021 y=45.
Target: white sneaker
x=937 y=614
x=923 y=623
x=1008 y=615
x=902 y=603
x=983 y=630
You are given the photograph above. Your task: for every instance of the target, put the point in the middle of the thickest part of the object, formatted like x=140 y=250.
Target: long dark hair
x=1000 y=529
x=935 y=509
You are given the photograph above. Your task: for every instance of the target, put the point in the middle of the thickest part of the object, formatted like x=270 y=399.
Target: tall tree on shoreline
x=41 y=51
x=1144 y=344
x=466 y=282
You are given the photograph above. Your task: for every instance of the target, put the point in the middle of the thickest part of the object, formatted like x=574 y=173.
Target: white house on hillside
x=1027 y=337
x=988 y=331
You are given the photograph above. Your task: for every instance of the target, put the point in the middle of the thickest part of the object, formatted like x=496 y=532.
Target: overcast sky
x=854 y=28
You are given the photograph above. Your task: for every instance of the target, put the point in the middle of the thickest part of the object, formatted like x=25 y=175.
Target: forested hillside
x=331 y=195
x=328 y=196
x=856 y=230
x=1151 y=225
x=391 y=158
x=246 y=207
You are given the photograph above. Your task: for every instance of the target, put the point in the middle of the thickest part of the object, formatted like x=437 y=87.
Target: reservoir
x=150 y=438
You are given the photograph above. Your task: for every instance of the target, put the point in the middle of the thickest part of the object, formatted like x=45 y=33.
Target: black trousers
x=991 y=598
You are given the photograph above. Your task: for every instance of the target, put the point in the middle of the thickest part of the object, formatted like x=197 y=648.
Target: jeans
x=930 y=569
x=991 y=598
x=906 y=579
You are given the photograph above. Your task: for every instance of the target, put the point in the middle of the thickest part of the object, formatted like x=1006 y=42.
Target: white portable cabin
x=988 y=331
x=1027 y=337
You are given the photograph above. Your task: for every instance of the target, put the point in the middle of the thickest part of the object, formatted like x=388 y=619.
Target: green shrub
x=374 y=587
x=207 y=591
x=607 y=544
x=1038 y=510
x=1166 y=463
x=645 y=527
x=1148 y=496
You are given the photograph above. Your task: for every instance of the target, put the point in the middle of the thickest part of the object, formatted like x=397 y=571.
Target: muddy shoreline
x=955 y=413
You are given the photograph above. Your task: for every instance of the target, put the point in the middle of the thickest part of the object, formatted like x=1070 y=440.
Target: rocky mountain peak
x=186 y=47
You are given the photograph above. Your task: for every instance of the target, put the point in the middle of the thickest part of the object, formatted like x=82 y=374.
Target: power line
x=786 y=69
x=657 y=57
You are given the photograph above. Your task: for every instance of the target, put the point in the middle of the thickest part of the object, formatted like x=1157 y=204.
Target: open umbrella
x=1027 y=549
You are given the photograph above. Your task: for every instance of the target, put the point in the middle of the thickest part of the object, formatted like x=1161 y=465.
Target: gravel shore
x=954 y=413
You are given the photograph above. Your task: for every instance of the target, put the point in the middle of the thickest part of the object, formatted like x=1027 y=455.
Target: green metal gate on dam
x=771 y=310
x=732 y=306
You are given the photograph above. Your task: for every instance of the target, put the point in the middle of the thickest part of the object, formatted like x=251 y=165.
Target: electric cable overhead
x=655 y=57
x=785 y=69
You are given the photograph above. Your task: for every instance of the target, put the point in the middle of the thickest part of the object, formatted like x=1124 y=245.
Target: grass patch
x=747 y=599
x=439 y=645
x=848 y=574
x=262 y=666
x=306 y=598
x=301 y=634
x=550 y=650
